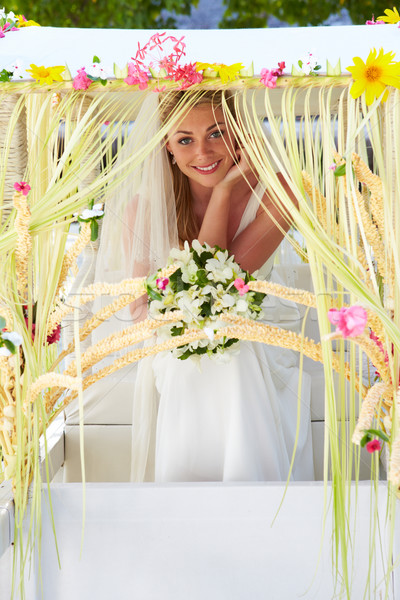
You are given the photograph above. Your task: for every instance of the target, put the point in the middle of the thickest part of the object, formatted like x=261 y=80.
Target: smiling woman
x=200 y=419
x=214 y=180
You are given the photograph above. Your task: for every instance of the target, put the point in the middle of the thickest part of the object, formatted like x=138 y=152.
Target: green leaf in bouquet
x=228 y=342
x=202 y=279
x=177 y=283
x=206 y=309
x=185 y=355
x=152 y=293
x=175 y=330
x=2 y=322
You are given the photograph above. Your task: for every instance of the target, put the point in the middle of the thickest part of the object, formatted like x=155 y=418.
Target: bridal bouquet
x=207 y=284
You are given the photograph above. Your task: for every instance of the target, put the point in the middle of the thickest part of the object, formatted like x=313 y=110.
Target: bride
x=231 y=421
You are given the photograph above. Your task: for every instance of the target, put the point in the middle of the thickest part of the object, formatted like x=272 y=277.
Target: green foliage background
x=146 y=14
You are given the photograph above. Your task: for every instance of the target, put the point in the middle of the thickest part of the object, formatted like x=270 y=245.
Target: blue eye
x=185 y=141
x=217 y=134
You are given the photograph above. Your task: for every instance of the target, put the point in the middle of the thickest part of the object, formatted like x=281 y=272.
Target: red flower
x=54 y=335
x=187 y=75
x=373 y=446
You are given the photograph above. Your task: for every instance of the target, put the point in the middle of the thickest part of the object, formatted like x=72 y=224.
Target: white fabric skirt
x=234 y=421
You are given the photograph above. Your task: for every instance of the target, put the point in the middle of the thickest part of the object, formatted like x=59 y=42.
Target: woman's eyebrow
x=180 y=131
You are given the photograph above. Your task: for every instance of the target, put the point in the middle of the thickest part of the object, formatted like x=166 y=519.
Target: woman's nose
x=203 y=147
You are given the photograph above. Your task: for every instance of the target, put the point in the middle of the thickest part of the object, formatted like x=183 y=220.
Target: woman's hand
x=240 y=170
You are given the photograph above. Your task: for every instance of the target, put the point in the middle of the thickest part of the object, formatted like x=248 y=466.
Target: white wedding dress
x=233 y=421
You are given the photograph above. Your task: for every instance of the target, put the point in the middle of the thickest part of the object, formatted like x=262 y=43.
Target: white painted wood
x=76 y=47
x=199 y=541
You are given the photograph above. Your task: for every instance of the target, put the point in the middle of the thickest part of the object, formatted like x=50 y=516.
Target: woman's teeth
x=209 y=168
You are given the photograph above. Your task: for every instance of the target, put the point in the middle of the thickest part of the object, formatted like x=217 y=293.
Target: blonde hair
x=170 y=104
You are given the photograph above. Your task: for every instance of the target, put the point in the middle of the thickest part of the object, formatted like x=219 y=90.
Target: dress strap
x=251 y=209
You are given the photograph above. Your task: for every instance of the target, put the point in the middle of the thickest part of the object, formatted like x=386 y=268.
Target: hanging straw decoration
x=350 y=225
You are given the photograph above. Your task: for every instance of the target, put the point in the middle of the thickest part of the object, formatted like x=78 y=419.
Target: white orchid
x=189 y=272
x=218 y=269
x=189 y=304
x=180 y=257
x=2 y=13
x=241 y=305
x=11 y=17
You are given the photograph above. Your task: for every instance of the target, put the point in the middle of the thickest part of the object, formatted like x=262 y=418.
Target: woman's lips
x=207 y=169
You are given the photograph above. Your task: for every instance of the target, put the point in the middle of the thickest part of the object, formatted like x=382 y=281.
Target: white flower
x=218 y=269
x=309 y=63
x=14 y=337
x=18 y=70
x=98 y=70
x=2 y=13
x=96 y=211
x=4 y=351
x=155 y=307
x=241 y=305
x=11 y=16
x=188 y=304
x=182 y=257
x=198 y=247
x=189 y=272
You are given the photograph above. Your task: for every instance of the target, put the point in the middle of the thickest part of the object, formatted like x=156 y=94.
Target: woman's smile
x=208 y=169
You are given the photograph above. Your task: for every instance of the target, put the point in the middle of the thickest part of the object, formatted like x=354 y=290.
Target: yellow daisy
x=46 y=75
x=392 y=16
x=374 y=75
x=23 y=23
x=225 y=72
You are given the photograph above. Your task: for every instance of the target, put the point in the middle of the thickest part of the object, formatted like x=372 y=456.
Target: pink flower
x=373 y=22
x=23 y=187
x=160 y=89
x=136 y=76
x=106 y=123
x=268 y=78
x=81 y=80
x=241 y=286
x=373 y=446
x=350 y=322
x=162 y=282
x=332 y=167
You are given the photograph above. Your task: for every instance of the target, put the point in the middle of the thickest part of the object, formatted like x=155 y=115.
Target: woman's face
x=203 y=145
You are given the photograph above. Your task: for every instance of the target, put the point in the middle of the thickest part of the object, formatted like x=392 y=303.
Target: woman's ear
x=168 y=147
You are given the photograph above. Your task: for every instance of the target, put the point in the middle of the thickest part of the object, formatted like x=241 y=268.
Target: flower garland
x=160 y=59
x=207 y=283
